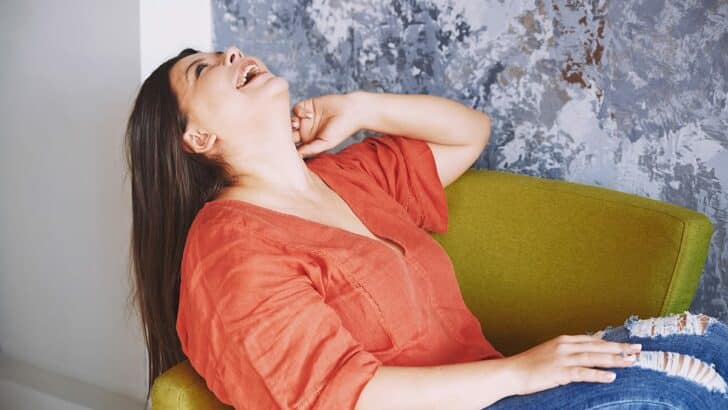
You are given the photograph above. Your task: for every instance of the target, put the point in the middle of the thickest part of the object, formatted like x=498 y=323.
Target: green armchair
x=536 y=258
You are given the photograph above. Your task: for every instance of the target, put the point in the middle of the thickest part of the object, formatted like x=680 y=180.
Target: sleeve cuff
x=344 y=390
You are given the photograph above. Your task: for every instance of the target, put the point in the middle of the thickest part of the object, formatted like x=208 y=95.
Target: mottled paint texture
x=629 y=95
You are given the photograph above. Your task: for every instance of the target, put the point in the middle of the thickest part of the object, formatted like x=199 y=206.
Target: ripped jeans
x=683 y=365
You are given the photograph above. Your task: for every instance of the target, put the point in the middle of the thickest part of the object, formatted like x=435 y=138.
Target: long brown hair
x=168 y=187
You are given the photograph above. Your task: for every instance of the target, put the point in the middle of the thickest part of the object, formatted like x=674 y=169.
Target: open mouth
x=248 y=73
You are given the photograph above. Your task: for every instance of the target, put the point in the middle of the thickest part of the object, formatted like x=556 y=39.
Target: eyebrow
x=217 y=53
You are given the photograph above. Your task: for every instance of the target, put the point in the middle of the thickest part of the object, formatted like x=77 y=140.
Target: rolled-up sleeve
x=258 y=331
x=405 y=169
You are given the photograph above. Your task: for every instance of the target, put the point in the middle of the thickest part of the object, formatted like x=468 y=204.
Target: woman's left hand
x=323 y=122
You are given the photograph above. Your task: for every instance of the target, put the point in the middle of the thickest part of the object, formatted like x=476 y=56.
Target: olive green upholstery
x=536 y=258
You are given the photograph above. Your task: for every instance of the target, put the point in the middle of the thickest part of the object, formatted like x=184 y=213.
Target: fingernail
x=309 y=114
x=636 y=346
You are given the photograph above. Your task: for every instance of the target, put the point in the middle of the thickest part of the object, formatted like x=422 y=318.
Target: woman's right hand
x=565 y=359
x=322 y=123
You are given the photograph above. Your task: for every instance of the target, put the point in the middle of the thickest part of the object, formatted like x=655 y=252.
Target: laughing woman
x=295 y=278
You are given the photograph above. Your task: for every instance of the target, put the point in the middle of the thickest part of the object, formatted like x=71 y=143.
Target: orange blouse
x=277 y=311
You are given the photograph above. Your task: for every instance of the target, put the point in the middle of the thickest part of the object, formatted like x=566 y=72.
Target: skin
x=251 y=128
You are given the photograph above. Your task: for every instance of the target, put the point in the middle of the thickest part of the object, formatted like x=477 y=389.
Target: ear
x=198 y=140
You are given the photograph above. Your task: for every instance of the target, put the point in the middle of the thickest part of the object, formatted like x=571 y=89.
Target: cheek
x=233 y=111
x=225 y=110
x=218 y=103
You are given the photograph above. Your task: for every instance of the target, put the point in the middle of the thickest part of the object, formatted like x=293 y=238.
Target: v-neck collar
x=330 y=179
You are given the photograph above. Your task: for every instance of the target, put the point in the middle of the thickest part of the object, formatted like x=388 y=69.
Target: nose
x=232 y=53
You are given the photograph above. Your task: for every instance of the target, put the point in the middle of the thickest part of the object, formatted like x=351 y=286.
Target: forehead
x=179 y=69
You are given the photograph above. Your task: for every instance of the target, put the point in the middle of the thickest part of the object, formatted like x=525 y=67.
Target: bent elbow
x=484 y=129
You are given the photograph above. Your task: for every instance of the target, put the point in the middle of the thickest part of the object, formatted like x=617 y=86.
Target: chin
x=278 y=85
x=273 y=90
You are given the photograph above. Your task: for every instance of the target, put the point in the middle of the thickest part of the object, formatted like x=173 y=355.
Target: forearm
x=426 y=117
x=466 y=386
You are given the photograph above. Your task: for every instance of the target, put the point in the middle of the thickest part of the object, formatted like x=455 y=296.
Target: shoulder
x=221 y=236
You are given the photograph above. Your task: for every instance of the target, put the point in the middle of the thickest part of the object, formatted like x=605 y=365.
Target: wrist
x=514 y=375
x=362 y=107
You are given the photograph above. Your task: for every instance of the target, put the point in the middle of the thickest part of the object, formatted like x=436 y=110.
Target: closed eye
x=199 y=69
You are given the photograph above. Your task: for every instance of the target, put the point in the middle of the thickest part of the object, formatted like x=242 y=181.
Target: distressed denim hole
x=686 y=323
x=685 y=366
x=673 y=363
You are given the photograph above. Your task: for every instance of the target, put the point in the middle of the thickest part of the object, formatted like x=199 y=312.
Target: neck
x=275 y=167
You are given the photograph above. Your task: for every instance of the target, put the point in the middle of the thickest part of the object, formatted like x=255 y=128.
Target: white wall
x=169 y=26
x=70 y=71
x=68 y=76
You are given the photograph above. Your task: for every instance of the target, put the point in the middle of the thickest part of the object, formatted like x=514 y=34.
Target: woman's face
x=208 y=89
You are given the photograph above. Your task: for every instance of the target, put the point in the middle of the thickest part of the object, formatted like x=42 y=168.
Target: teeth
x=243 y=79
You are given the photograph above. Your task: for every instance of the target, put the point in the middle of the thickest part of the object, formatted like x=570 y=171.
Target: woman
x=294 y=278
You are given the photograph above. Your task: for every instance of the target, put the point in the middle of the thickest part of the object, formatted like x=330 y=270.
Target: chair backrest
x=537 y=258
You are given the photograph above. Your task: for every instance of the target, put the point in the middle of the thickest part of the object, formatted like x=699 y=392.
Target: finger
x=295 y=123
x=579 y=338
x=592 y=359
x=307 y=129
x=303 y=109
x=583 y=374
x=603 y=346
x=299 y=109
x=297 y=138
x=313 y=147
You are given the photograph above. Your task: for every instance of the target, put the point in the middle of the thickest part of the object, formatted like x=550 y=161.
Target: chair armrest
x=536 y=258
x=181 y=387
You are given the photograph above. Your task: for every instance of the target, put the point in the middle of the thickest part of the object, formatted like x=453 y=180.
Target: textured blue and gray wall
x=629 y=95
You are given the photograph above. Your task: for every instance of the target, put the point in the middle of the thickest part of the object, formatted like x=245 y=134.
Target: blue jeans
x=659 y=379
